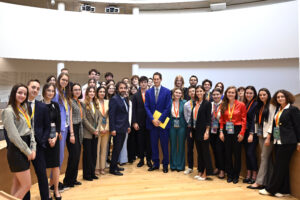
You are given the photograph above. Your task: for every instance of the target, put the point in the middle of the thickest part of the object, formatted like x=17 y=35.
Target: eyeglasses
x=65 y=80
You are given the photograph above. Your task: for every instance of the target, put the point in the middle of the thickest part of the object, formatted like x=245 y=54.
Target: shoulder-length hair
x=72 y=88
x=290 y=98
x=173 y=92
x=12 y=98
x=87 y=98
x=225 y=99
x=260 y=104
x=179 y=77
x=61 y=90
x=46 y=86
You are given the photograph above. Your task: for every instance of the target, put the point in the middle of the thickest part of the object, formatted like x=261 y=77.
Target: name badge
x=52 y=131
x=230 y=128
x=103 y=120
x=276 y=133
x=215 y=126
x=260 y=131
x=176 y=123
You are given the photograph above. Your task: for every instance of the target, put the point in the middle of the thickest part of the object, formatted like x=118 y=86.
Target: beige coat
x=90 y=122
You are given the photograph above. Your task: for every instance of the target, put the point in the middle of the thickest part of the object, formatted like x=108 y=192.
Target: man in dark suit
x=158 y=98
x=118 y=125
x=41 y=121
x=139 y=123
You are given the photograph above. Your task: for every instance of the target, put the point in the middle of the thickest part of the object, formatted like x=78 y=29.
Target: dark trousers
x=131 y=148
x=118 y=142
x=280 y=180
x=39 y=164
x=143 y=144
x=89 y=157
x=162 y=135
x=74 y=157
x=190 y=149
x=233 y=147
x=218 y=148
x=250 y=150
x=204 y=159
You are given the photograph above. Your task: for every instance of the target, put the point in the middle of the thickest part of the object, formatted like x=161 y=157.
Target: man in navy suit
x=118 y=125
x=158 y=98
x=41 y=121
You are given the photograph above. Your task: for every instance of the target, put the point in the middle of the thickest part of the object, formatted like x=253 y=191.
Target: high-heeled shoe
x=55 y=197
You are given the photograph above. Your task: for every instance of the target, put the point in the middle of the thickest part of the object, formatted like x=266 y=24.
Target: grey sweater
x=17 y=128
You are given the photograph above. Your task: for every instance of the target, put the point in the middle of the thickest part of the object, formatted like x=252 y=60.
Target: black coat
x=289 y=125
x=139 y=114
x=203 y=120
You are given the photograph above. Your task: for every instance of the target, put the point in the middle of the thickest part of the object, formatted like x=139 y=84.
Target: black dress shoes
x=251 y=181
x=95 y=177
x=77 y=183
x=140 y=164
x=153 y=168
x=246 y=180
x=165 y=170
x=229 y=180
x=149 y=163
x=117 y=173
x=235 y=180
x=88 y=179
x=260 y=187
x=120 y=169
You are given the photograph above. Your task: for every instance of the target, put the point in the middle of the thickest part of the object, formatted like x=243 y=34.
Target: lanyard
x=191 y=102
x=143 y=96
x=230 y=113
x=208 y=95
x=176 y=112
x=24 y=113
x=278 y=116
x=80 y=108
x=66 y=104
x=216 y=111
x=33 y=110
x=103 y=108
x=260 y=114
x=196 y=110
x=248 y=108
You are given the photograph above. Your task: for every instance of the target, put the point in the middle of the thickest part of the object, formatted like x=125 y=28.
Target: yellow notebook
x=157 y=115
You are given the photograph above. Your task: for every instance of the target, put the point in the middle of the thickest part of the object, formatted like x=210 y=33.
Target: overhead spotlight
x=52 y=2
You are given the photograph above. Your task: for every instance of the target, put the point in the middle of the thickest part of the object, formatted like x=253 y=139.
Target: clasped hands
x=156 y=122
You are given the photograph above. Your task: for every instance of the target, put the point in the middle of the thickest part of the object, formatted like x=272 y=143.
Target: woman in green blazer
x=177 y=131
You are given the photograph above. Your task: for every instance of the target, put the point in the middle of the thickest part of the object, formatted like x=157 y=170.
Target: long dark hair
x=12 y=98
x=98 y=89
x=254 y=97
x=46 y=86
x=72 y=87
x=225 y=100
x=67 y=89
x=196 y=97
x=260 y=104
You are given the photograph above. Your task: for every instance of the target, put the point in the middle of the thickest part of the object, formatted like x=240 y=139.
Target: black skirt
x=52 y=155
x=17 y=160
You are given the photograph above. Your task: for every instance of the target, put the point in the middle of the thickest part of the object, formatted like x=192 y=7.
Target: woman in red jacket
x=232 y=129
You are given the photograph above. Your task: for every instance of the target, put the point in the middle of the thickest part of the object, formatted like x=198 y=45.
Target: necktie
x=156 y=94
x=30 y=108
x=125 y=104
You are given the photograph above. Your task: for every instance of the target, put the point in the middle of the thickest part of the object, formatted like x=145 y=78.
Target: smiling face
x=216 y=96
x=34 y=89
x=156 y=80
x=64 y=81
x=192 y=92
x=263 y=96
x=21 y=95
x=281 y=99
x=231 y=94
x=193 y=81
x=101 y=93
x=76 y=91
x=91 y=94
x=249 y=94
x=177 y=94
x=122 y=90
x=207 y=86
x=200 y=93
x=178 y=83
x=50 y=91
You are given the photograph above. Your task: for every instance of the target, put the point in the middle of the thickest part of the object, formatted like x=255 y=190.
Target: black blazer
x=42 y=124
x=203 y=120
x=118 y=115
x=289 y=125
x=139 y=114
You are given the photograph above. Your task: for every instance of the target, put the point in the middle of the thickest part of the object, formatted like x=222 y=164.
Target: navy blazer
x=163 y=105
x=42 y=124
x=118 y=115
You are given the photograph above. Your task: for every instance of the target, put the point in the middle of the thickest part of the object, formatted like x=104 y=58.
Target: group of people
x=139 y=112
